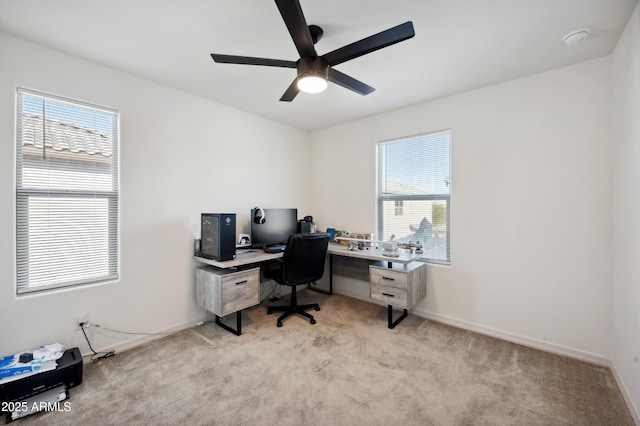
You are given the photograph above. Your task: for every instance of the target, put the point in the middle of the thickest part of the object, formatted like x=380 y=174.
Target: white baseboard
x=516 y=338
x=137 y=340
x=635 y=413
x=500 y=334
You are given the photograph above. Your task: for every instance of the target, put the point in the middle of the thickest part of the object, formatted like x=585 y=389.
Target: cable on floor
x=96 y=355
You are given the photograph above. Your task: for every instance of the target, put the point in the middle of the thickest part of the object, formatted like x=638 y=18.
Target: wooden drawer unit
x=224 y=291
x=402 y=285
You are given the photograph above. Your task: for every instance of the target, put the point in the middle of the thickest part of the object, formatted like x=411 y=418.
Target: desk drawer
x=240 y=290
x=224 y=291
x=402 y=285
x=390 y=295
x=388 y=278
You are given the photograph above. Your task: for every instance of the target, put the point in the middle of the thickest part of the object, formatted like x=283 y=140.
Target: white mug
x=389 y=245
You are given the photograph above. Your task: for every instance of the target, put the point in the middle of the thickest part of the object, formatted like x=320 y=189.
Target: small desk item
x=275 y=249
x=225 y=291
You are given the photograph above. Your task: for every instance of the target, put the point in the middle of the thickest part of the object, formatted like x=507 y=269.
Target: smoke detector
x=575 y=37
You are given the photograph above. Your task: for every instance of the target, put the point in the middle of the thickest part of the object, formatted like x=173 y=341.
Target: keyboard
x=275 y=249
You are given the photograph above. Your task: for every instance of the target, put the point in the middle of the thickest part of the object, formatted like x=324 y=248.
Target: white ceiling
x=459 y=45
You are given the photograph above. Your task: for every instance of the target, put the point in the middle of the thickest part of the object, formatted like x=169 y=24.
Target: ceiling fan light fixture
x=312 y=83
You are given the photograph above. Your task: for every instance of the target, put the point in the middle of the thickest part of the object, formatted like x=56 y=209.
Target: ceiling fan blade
x=247 y=60
x=370 y=44
x=291 y=92
x=348 y=82
x=293 y=17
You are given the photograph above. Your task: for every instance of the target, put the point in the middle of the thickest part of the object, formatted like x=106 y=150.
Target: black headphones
x=258 y=216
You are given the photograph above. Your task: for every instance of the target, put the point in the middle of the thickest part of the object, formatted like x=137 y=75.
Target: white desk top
x=242 y=258
x=405 y=256
x=258 y=255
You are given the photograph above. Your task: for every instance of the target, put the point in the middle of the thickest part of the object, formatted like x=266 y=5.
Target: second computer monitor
x=272 y=226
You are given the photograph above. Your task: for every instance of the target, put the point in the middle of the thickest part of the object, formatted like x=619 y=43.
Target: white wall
x=530 y=207
x=626 y=212
x=180 y=155
x=531 y=201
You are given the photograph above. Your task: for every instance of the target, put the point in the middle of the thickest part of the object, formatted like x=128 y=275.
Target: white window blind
x=66 y=192
x=413 y=193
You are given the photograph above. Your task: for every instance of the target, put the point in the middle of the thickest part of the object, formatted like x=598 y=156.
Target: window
x=413 y=193
x=399 y=207
x=66 y=192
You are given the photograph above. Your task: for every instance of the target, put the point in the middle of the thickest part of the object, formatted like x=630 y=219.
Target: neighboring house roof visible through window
x=61 y=136
x=391 y=187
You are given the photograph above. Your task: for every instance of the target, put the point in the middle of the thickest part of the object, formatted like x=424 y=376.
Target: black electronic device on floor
x=20 y=397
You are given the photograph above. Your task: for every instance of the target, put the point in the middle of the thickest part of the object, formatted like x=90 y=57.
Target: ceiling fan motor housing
x=316 y=33
x=313 y=66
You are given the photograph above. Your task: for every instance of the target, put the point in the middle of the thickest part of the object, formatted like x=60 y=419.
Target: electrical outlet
x=81 y=318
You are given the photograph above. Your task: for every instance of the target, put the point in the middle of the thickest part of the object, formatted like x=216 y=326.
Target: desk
x=375 y=254
x=408 y=277
x=416 y=281
x=259 y=256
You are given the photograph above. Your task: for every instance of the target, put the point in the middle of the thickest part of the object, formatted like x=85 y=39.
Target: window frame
x=381 y=198
x=112 y=198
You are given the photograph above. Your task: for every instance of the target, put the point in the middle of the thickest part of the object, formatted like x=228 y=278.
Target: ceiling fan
x=313 y=70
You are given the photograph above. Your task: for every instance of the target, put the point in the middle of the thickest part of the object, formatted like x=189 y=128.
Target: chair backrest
x=304 y=258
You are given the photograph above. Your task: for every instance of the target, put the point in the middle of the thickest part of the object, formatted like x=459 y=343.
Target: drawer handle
x=388 y=279
x=241 y=282
x=388 y=295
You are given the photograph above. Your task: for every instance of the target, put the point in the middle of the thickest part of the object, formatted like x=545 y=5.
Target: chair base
x=288 y=310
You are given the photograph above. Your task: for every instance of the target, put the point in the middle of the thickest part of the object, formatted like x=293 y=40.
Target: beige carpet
x=348 y=369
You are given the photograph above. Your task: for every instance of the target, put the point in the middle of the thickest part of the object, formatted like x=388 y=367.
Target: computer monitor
x=272 y=226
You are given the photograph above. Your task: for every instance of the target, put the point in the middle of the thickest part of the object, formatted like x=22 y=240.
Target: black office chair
x=302 y=263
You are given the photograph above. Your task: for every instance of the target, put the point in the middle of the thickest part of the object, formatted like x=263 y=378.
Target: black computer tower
x=218 y=236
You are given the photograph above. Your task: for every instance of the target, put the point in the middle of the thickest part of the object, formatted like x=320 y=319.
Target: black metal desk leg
x=330 y=274
x=238 y=330
x=392 y=323
x=310 y=285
